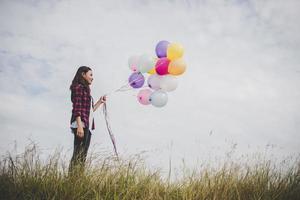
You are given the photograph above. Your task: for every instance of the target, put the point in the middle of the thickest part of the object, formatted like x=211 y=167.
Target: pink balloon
x=134 y=68
x=144 y=96
x=162 y=65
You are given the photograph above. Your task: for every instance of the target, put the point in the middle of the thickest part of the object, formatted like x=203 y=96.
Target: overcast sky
x=241 y=87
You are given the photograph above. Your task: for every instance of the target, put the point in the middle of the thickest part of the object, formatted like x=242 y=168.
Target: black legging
x=81 y=146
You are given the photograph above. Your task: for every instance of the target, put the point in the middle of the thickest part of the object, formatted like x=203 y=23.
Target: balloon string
x=111 y=135
x=125 y=87
x=129 y=83
x=112 y=138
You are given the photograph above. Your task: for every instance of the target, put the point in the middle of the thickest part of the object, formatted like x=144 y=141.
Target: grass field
x=26 y=176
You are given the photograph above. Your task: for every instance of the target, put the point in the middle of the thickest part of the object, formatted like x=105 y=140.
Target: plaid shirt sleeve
x=77 y=100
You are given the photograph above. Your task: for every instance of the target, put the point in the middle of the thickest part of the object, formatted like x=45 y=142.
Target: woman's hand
x=99 y=102
x=80 y=132
x=103 y=99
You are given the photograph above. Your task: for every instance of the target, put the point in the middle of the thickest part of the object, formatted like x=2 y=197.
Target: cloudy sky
x=241 y=87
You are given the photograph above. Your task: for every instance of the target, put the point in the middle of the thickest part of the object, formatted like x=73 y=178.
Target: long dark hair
x=78 y=78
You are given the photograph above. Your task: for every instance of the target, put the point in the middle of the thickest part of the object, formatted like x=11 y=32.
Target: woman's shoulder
x=81 y=87
x=77 y=86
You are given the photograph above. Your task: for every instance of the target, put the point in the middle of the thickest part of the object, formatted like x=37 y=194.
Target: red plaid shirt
x=82 y=100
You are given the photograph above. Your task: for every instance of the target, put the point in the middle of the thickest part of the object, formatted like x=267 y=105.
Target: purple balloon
x=161 y=48
x=136 y=80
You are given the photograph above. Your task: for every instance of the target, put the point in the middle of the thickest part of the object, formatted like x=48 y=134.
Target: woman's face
x=88 y=76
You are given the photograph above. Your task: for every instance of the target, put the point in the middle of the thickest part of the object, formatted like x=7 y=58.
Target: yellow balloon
x=175 y=51
x=152 y=71
x=177 y=67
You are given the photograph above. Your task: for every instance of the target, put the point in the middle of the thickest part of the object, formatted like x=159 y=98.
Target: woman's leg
x=81 y=146
x=86 y=144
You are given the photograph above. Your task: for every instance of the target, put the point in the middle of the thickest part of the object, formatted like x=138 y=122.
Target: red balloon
x=162 y=65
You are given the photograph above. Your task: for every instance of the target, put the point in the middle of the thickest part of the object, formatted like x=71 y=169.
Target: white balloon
x=159 y=98
x=133 y=62
x=145 y=63
x=168 y=83
x=154 y=81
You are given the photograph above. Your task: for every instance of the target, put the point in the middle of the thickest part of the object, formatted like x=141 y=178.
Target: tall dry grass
x=26 y=176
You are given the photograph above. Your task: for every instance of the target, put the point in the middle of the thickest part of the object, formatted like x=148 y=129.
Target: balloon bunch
x=162 y=71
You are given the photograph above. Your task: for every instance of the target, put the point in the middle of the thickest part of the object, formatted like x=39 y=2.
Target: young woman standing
x=82 y=114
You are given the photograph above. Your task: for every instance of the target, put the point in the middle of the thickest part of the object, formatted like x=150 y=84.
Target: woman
x=82 y=114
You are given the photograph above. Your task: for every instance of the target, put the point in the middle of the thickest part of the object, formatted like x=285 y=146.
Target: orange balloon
x=177 y=67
